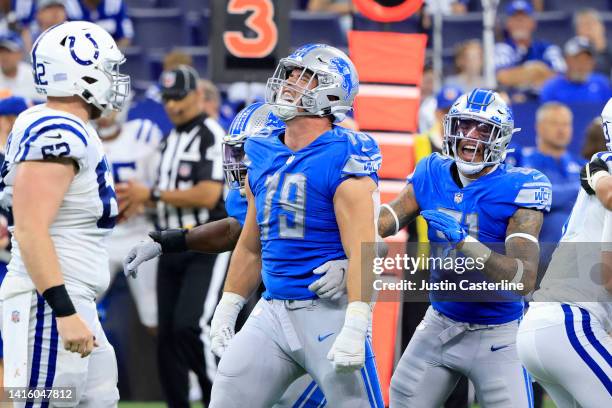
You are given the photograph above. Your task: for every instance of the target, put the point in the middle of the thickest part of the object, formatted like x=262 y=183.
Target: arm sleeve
x=554 y=58
x=54 y=141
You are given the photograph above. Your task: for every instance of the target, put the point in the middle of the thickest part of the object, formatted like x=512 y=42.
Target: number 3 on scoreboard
x=261 y=21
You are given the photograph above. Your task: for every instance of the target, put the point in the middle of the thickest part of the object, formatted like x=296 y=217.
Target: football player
x=471 y=201
x=220 y=236
x=311 y=191
x=59 y=185
x=131 y=148
x=564 y=339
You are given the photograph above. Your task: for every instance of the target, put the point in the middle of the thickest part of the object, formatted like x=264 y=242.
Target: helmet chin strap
x=285 y=112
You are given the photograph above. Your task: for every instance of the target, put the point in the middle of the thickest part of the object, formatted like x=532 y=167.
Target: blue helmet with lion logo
x=326 y=85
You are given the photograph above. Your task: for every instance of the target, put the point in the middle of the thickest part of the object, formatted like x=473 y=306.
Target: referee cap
x=178 y=82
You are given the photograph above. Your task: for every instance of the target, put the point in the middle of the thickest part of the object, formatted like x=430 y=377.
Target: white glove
x=332 y=285
x=142 y=252
x=348 y=351
x=223 y=322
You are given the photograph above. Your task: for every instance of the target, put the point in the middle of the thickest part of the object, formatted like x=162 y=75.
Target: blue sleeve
x=553 y=57
x=533 y=191
x=236 y=206
x=358 y=157
x=420 y=176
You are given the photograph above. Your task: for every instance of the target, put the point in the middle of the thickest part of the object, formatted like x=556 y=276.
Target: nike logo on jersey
x=493 y=348
x=321 y=338
x=54 y=137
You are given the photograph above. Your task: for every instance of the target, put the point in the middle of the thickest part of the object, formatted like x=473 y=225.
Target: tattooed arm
x=504 y=267
x=405 y=207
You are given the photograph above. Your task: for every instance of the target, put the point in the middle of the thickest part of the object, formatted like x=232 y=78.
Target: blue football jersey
x=236 y=205
x=294 y=194
x=483 y=208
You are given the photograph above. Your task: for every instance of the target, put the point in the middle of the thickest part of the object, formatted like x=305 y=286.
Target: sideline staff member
x=188 y=193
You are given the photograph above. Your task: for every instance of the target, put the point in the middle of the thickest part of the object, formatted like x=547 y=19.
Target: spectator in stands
x=551 y=157
x=209 y=98
x=444 y=7
x=588 y=24
x=444 y=100
x=108 y=14
x=15 y=75
x=579 y=83
x=468 y=64
x=522 y=62
x=17 y=16
x=428 y=99
x=594 y=140
x=48 y=14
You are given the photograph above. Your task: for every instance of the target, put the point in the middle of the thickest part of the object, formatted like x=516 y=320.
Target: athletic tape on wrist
x=475 y=249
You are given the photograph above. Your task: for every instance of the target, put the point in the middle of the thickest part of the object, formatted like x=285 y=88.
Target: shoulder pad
x=362 y=155
x=50 y=137
x=533 y=189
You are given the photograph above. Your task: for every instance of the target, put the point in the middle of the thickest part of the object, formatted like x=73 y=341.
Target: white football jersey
x=574 y=273
x=88 y=211
x=134 y=155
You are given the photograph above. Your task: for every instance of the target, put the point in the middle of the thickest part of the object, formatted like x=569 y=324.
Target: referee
x=188 y=193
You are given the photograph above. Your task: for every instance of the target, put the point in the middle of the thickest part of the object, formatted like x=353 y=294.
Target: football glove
x=591 y=173
x=447 y=225
x=223 y=324
x=348 y=351
x=332 y=285
x=142 y=252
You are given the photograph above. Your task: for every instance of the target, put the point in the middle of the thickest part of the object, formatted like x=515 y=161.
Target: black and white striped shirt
x=191 y=153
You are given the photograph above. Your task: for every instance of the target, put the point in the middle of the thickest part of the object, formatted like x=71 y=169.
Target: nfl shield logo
x=169 y=79
x=15 y=316
x=458 y=198
x=184 y=170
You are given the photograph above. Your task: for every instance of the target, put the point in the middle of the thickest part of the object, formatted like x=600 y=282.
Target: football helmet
x=294 y=95
x=478 y=125
x=256 y=118
x=80 y=58
x=606 y=123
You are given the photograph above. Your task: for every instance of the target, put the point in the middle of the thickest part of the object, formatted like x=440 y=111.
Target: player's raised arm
x=354 y=209
x=243 y=277
x=398 y=213
x=33 y=218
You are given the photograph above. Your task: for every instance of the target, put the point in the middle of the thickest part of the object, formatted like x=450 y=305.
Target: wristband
x=59 y=301
x=397 y=224
x=172 y=240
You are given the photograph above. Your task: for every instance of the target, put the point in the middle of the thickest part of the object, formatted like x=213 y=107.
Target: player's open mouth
x=469 y=152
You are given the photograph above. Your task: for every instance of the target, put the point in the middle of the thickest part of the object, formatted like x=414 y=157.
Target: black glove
x=588 y=171
x=172 y=240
